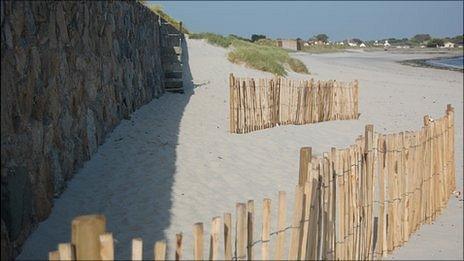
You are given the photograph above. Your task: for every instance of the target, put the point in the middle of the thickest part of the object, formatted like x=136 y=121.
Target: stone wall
x=71 y=71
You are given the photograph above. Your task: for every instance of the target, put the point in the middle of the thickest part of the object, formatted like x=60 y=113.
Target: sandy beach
x=174 y=163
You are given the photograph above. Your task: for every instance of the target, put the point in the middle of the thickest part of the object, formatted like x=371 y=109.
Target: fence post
x=305 y=218
x=241 y=231
x=66 y=252
x=305 y=158
x=296 y=223
x=85 y=236
x=198 y=241
x=281 y=212
x=160 y=250
x=214 y=240
x=179 y=247
x=232 y=105
x=137 y=245
x=369 y=144
x=106 y=246
x=227 y=236
x=54 y=255
x=266 y=231
x=250 y=223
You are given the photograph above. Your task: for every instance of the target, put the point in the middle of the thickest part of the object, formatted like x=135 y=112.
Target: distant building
x=352 y=44
x=449 y=45
x=386 y=44
x=290 y=44
x=362 y=45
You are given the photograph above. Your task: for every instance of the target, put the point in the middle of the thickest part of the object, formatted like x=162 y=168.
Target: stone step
x=173 y=84
x=170 y=65
x=174 y=50
x=171 y=59
x=173 y=74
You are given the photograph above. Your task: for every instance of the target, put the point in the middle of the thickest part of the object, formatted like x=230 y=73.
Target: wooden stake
x=107 y=246
x=160 y=250
x=179 y=247
x=296 y=221
x=54 y=255
x=281 y=212
x=305 y=217
x=85 y=236
x=198 y=241
x=214 y=239
x=305 y=158
x=66 y=251
x=227 y=236
x=137 y=245
x=241 y=231
x=250 y=221
x=266 y=231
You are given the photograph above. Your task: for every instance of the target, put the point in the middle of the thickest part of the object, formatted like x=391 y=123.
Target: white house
x=362 y=45
x=386 y=44
x=449 y=45
x=352 y=44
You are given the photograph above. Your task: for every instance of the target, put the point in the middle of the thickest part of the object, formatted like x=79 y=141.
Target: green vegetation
x=267 y=41
x=322 y=37
x=435 y=42
x=215 y=39
x=332 y=48
x=256 y=37
x=263 y=55
x=159 y=11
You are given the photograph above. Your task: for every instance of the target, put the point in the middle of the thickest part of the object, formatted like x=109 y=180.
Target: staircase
x=171 y=56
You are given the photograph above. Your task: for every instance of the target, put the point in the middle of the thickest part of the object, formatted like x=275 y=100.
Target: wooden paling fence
x=361 y=202
x=369 y=198
x=257 y=104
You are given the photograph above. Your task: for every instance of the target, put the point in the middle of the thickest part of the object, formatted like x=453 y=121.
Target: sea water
x=455 y=62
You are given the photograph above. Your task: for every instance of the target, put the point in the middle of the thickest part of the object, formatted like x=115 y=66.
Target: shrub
x=256 y=37
x=435 y=42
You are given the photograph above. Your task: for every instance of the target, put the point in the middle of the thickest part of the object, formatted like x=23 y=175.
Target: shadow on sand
x=129 y=180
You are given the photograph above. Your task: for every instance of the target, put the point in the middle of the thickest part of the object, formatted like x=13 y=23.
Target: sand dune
x=175 y=163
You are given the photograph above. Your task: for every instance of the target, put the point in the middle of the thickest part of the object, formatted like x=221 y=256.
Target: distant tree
x=435 y=42
x=420 y=38
x=256 y=37
x=322 y=37
x=458 y=39
x=356 y=41
x=239 y=37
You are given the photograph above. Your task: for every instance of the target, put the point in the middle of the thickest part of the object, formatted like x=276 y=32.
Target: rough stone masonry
x=70 y=72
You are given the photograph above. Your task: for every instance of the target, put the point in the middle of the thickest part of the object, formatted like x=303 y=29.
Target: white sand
x=175 y=163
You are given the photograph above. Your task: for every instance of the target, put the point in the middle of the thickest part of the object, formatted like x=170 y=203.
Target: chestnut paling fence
x=360 y=202
x=257 y=104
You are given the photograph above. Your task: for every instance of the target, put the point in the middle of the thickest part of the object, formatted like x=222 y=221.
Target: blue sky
x=339 y=20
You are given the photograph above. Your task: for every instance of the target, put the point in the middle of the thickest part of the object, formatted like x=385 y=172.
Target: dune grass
x=262 y=55
x=324 y=48
x=215 y=39
x=174 y=22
